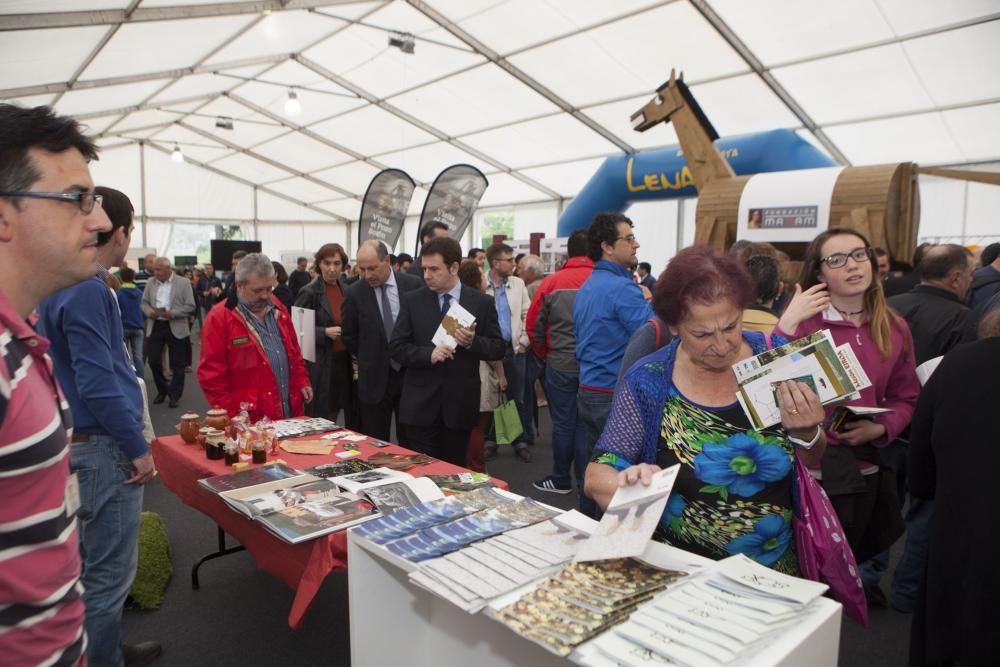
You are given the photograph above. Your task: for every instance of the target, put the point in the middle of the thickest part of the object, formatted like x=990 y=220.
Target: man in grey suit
x=167 y=301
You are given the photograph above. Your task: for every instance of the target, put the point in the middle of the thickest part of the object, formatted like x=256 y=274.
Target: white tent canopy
x=533 y=92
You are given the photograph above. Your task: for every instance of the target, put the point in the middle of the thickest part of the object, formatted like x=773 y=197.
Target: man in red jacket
x=550 y=325
x=249 y=350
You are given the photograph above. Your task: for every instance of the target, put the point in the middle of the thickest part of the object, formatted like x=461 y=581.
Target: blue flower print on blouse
x=741 y=465
x=675 y=508
x=768 y=541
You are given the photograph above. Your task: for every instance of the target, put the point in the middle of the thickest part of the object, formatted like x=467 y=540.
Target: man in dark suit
x=440 y=401
x=371 y=308
x=431 y=230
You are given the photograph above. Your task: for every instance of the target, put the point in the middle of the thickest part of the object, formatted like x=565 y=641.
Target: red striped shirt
x=41 y=603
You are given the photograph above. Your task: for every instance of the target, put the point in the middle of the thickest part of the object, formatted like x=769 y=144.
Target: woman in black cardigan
x=331 y=373
x=954 y=458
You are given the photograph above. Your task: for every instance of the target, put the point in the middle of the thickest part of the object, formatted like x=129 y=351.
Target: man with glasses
x=607 y=311
x=50 y=218
x=512 y=303
x=109 y=452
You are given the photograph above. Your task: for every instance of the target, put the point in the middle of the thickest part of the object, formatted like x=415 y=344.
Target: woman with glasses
x=838 y=291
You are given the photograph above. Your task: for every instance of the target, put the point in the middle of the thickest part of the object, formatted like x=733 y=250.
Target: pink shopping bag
x=823 y=552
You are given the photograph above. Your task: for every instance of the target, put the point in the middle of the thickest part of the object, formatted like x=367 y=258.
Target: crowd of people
x=636 y=372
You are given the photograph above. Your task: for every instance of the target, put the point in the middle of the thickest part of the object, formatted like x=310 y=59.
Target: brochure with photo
x=630 y=519
x=357 y=481
x=339 y=468
x=249 y=477
x=834 y=373
x=311 y=519
x=254 y=501
x=455 y=318
x=390 y=495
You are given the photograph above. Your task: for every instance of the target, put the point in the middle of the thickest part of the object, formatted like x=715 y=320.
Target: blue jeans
x=568 y=441
x=133 y=341
x=593 y=408
x=109 y=541
x=910 y=569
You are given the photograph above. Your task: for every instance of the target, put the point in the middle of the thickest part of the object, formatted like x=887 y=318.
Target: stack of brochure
x=713 y=620
x=471 y=577
x=453 y=535
x=833 y=373
x=293 y=428
x=583 y=600
x=424 y=515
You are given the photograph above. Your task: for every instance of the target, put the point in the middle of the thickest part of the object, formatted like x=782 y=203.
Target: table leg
x=222 y=551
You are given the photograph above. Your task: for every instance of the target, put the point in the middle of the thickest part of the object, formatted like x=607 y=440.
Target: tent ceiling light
x=292 y=105
x=224 y=122
x=403 y=41
x=176 y=155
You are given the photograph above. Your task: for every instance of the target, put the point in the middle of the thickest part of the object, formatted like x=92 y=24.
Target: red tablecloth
x=302 y=566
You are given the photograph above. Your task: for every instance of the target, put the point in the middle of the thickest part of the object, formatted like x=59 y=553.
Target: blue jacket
x=608 y=309
x=129 y=297
x=88 y=353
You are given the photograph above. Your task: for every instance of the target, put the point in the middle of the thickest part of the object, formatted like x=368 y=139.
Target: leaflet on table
x=748 y=573
x=339 y=468
x=391 y=495
x=455 y=318
x=471 y=577
x=314 y=518
x=447 y=537
x=411 y=519
x=461 y=482
x=248 y=477
x=354 y=482
x=833 y=373
x=630 y=519
x=290 y=428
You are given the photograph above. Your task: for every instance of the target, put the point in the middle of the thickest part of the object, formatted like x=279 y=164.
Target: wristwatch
x=807 y=445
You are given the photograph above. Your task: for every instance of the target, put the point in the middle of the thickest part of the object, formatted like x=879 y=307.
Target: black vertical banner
x=453 y=199
x=383 y=210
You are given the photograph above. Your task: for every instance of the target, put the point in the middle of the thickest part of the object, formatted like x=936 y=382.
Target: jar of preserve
x=232 y=453
x=215 y=442
x=217 y=418
x=189 y=427
x=260 y=449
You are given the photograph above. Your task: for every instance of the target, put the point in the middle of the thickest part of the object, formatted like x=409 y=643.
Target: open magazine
x=389 y=489
x=295 y=508
x=834 y=373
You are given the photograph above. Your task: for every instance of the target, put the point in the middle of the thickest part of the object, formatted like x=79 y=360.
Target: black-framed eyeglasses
x=85 y=201
x=628 y=239
x=839 y=259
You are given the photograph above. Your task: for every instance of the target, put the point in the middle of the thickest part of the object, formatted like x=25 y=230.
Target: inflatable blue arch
x=663 y=174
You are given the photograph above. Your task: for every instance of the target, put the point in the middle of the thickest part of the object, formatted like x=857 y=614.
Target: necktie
x=446 y=304
x=387 y=321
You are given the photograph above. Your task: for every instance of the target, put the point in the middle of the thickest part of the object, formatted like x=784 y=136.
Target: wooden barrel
x=880 y=201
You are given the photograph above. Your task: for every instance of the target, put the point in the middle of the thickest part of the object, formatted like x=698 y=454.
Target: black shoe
x=144 y=653
x=160 y=398
x=174 y=402
x=523 y=453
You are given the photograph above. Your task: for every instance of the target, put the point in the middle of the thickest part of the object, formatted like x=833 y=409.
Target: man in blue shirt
x=109 y=451
x=607 y=311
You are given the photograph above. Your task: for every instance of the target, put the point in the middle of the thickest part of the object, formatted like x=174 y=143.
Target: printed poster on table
x=384 y=207
x=786 y=206
x=453 y=198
